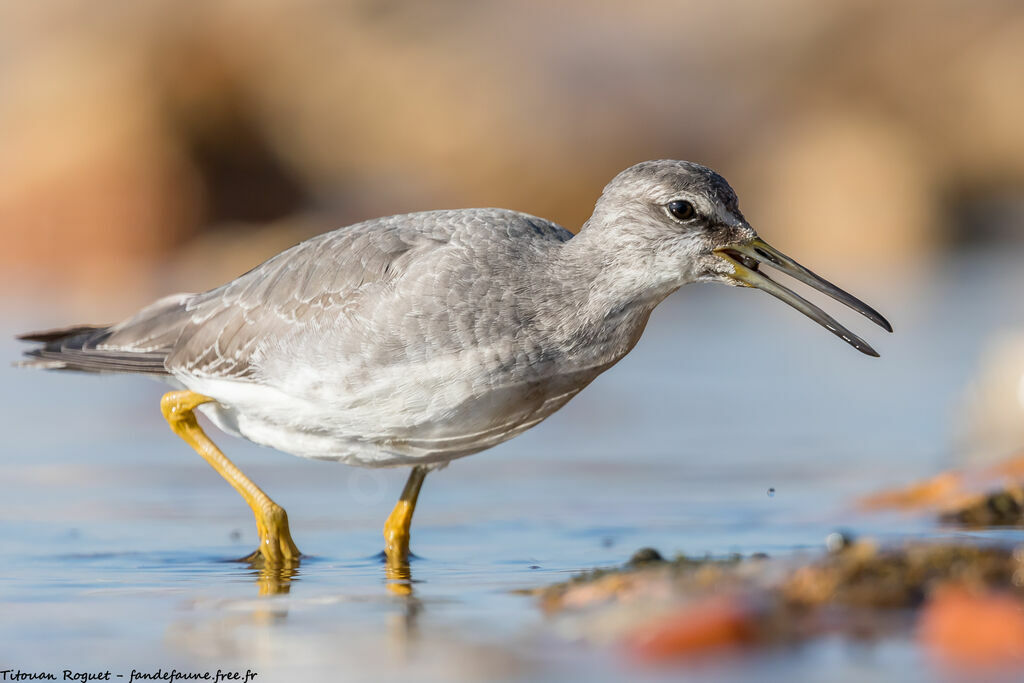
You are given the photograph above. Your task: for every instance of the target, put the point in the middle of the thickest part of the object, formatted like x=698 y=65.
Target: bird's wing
x=307 y=285
x=310 y=286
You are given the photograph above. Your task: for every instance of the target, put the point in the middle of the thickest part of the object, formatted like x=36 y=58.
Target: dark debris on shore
x=961 y=600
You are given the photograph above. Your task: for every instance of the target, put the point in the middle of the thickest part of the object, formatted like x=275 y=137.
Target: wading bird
x=413 y=340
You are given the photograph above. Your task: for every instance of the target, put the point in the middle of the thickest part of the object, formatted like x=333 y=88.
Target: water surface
x=116 y=537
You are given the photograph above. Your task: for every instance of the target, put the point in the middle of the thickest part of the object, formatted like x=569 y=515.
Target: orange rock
x=696 y=629
x=935 y=491
x=973 y=629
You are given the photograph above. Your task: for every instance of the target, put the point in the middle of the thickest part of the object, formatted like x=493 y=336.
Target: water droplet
x=771 y=492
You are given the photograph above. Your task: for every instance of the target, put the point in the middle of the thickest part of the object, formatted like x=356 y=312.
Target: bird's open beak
x=745 y=260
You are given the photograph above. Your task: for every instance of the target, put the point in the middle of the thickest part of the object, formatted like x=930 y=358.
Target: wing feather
x=304 y=285
x=311 y=285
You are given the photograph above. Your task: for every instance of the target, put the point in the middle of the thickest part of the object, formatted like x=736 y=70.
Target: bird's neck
x=607 y=298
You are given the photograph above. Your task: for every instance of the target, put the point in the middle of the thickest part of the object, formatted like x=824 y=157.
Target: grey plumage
x=427 y=336
x=339 y=275
x=77 y=348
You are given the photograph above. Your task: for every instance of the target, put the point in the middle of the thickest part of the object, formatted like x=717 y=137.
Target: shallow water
x=116 y=537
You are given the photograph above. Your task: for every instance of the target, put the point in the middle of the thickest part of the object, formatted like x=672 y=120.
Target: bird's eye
x=681 y=210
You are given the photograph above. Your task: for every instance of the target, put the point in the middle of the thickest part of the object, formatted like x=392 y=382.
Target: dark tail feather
x=78 y=348
x=59 y=333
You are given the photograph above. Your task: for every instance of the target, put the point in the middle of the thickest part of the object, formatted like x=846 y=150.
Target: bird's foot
x=396 y=550
x=277 y=549
x=396 y=534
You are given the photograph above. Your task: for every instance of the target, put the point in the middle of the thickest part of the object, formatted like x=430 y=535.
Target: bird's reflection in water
x=402 y=625
x=271 y=581
x=274 y=580
x=399 y=577
x=360 y=619
x=259 y=628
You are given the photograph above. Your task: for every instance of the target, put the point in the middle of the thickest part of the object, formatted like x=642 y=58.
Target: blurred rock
x=999 y=508
x=704 y=628
x=699 y=607
x=992 y=416
x=977 y=630
x=851 y=129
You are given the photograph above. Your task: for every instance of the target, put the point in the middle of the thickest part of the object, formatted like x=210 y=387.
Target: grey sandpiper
x=413 y=340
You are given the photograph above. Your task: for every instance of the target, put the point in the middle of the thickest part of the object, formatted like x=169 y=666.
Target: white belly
x=405 y=416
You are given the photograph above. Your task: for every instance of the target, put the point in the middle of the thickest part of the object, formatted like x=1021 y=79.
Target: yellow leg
x=396 y=529
x=276 y=546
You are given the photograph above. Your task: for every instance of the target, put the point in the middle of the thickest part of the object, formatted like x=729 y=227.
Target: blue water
x=116 y=537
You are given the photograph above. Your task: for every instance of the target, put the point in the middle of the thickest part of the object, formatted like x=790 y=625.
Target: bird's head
x=675 y=222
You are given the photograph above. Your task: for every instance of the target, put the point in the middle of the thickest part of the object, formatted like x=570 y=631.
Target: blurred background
x=154 y=147
x=155 y=144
